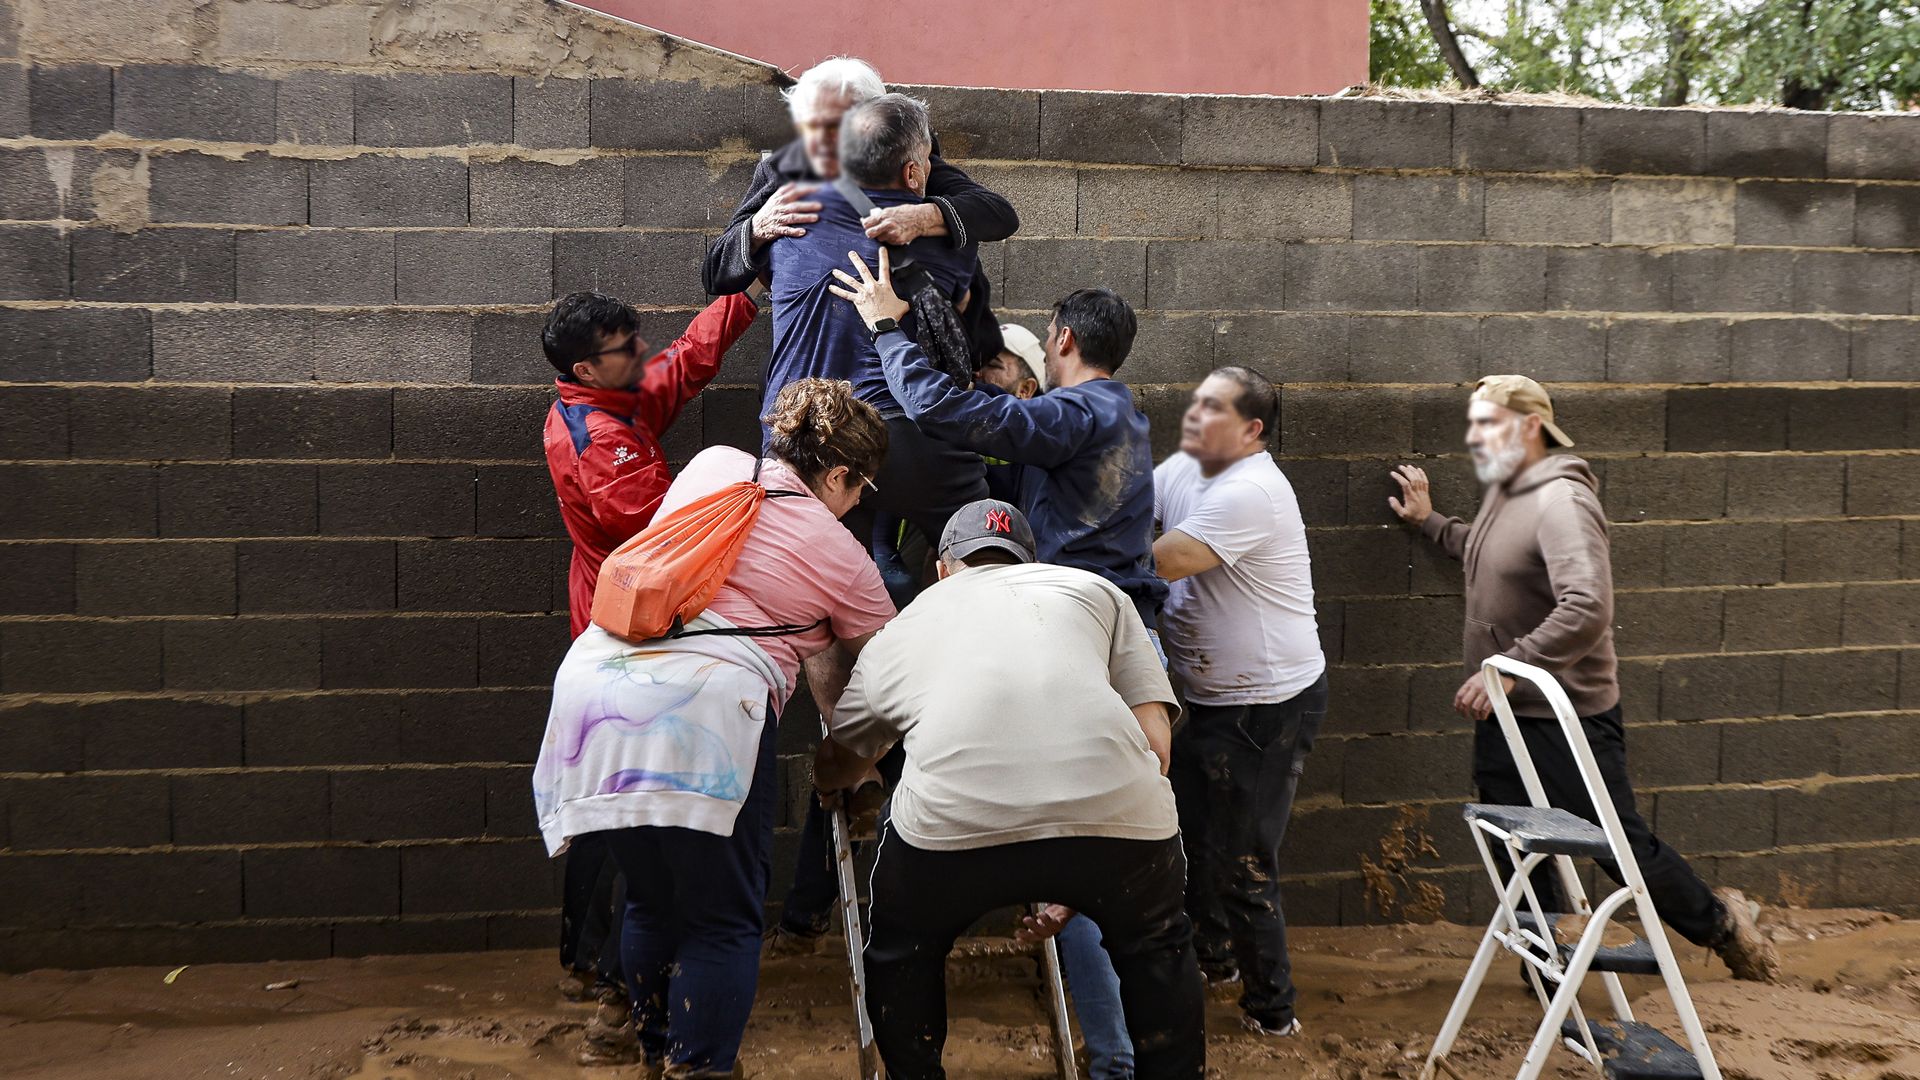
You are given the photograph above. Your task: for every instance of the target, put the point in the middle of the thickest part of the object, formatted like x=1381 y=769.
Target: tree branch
x=1442 y=27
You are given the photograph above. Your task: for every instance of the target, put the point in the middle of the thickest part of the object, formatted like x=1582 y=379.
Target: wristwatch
x=883 y=325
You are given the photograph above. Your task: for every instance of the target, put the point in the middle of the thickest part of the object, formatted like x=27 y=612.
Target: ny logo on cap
x=999 y=521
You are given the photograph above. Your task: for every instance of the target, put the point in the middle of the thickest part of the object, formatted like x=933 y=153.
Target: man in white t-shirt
x=1035 y=717
x=1240 y=634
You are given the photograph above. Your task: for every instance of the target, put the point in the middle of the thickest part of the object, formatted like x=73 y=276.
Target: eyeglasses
x=633 y=347
x=871 y=486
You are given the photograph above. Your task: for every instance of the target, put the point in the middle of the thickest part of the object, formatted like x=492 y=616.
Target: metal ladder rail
x=870 y=1068
x=1635 y=883
x=869 y=1054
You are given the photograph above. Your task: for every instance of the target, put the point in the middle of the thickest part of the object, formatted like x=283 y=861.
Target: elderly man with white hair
x=779 y=201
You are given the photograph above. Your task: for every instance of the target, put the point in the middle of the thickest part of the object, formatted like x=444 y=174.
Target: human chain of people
x=1067 y=675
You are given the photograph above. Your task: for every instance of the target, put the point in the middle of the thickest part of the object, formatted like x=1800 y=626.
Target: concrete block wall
x=284 y=582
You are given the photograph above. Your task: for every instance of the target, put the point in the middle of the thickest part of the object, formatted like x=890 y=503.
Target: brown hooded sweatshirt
x=1540 y=582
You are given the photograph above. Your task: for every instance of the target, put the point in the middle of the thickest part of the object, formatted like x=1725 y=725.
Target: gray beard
x=1500 y=466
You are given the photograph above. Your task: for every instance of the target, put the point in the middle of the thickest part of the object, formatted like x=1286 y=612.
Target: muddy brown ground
x=1371 y=998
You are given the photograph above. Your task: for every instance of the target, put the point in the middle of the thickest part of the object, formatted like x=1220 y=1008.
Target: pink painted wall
x=1159 y=46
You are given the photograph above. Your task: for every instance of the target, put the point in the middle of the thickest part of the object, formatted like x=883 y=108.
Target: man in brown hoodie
x=1539 y=589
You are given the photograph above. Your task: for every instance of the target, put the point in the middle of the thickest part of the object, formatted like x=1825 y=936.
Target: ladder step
x=1634 y=958
x=1636 y=1051
x=1544 y=830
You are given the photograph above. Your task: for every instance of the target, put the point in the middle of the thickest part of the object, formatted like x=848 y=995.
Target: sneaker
x=1218 y=978
x=609 y=1038
x=1738 y=939
x=1221 y=984
x=1285 y=1031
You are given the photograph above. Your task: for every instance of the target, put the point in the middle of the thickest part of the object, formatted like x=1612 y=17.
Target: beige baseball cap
x=1522 y=395
x=1020 y=341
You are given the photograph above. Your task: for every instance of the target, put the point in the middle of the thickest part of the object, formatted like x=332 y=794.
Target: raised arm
x=1415 y=507
x=1044 y=431
x=684 y=368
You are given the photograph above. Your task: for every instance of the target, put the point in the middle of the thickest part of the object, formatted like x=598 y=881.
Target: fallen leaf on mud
x=284 y=984
x=174 y=974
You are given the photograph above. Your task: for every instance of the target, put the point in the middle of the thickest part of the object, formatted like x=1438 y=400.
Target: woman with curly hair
x=665 y=747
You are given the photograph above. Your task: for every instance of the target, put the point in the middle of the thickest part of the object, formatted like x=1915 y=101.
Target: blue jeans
x=691 y=940
x=1095 y=987
x=1096 y=1000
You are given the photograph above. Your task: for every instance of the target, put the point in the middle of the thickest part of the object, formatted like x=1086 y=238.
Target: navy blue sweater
x=1086 y=476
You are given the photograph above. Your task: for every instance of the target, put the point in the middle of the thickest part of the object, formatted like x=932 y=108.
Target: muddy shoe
x=606 y=993
x=609 y=1038
x=577 y=985
x=781 y=941
x=1285 y=1031
x=1739 y=941
x=1222 y=983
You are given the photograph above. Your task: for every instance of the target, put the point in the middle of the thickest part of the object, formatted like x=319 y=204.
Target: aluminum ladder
x=869 y=1065
x=1621 y=1048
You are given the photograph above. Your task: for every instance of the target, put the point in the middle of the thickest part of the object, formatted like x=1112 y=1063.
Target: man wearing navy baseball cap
x=1036 y=720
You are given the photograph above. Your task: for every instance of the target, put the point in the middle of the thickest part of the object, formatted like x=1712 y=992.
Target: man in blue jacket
x=1086 y=477
x=1084 y=474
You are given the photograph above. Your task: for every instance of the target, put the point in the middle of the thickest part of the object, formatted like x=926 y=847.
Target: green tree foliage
x=1815 y=54
x=1401 y=47
x=1820 y=54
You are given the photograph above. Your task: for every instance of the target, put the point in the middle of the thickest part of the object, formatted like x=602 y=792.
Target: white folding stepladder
x=869 y=1055
x=1623 y=1049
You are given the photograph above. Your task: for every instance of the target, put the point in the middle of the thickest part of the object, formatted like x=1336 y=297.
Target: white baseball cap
x=1020 y=341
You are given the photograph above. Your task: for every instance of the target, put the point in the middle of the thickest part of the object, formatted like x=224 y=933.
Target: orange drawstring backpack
x=668 y=573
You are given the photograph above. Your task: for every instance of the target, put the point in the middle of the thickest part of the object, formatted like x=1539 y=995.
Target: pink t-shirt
x=798 y=565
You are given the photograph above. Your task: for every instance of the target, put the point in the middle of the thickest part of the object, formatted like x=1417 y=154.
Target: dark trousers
x=808 y=909
x=588 y=937
x=1235 y=771
x=691 y=941
x=1682 y=899
x=923 y=480
x=923 y=900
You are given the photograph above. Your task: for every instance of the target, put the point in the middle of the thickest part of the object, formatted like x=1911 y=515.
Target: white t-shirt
x=1012 y=688
x=1242 y=633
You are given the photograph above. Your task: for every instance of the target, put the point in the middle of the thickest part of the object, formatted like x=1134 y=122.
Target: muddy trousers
x=691 y=943
x=589 y=903
x=1235 y=771
x=923 y=900
x=1682 y=899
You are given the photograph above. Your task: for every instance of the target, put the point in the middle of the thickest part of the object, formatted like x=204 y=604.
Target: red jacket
x=603 y=446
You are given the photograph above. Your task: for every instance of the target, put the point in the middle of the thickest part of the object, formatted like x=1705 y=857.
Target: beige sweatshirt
x=1540 y=582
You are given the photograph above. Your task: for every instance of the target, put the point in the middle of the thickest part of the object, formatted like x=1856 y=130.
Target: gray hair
x=839 y=76
x=880 y=135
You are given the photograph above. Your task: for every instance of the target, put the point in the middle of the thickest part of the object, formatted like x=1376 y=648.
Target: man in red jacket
x=616 y=399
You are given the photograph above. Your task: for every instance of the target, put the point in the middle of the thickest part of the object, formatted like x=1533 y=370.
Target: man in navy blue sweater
x=1085 y=482
x=1086 y=471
